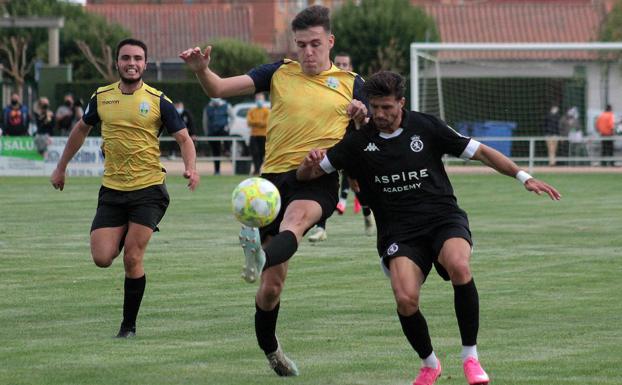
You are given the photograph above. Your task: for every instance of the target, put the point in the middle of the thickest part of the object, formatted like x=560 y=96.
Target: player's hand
x=540 y=187
x=58 y=179
x=357 y=111
x=314 y=157
x=195 y=59
x=193 y=179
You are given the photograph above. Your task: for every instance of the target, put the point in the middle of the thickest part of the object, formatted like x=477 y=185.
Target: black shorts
x=423 y=249
x=117 y=208
x=323 y=190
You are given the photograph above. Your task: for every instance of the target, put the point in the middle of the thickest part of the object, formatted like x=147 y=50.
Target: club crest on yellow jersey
x=143 y=108
x=332 y=82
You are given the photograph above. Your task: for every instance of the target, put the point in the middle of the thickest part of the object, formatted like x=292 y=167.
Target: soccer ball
x=256 y=202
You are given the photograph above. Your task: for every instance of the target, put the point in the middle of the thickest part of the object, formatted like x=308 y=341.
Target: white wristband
x=523 y=176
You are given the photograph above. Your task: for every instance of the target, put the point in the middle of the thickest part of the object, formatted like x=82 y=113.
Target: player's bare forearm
x=75 y=140
x=506 y=166
x=189 y=156
x=215 y=86
x=496 y=160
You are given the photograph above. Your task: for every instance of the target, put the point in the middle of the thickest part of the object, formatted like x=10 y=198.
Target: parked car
x=239 y=127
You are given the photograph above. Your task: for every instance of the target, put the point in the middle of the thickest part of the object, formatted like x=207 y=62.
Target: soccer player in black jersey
x=133 y=196
x=397 y=160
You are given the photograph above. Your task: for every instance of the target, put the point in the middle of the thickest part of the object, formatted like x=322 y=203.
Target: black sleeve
x=342 y=155
x=358 y=91
x=169 y=116
x=449 y=140
x=91 y=117
x=262 y=75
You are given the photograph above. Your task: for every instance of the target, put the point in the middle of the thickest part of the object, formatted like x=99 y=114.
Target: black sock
x=466 y=303
x=366 y=211
x=134 y=289
x=415 y=329
x=281 y=248
x=265 y=328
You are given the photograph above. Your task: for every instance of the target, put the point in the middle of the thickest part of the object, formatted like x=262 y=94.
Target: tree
x=15 y=49
x=93 y=30
x=612 y=27
x=232 y=57
x=377 y=33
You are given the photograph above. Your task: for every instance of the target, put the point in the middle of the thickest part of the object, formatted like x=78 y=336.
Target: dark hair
x=313 y=16
x=608 y=108
x=131 y=41
x=384 y=83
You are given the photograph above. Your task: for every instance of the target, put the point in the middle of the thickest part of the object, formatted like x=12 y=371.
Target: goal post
x=506 y=90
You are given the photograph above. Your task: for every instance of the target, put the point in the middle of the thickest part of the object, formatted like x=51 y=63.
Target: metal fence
x=529 y=151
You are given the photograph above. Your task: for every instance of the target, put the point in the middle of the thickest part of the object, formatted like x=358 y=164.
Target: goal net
x=504 y=92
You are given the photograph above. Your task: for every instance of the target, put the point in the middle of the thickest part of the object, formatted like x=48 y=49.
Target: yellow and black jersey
x=130 y=126
x=307 y=111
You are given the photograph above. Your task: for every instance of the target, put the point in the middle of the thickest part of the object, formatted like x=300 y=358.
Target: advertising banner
x=19 y=156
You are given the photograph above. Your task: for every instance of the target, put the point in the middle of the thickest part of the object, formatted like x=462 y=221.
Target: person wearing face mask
x=257 y=119
x=65 y=115
x=170 y=147
x=15 y=117
x=44 y=119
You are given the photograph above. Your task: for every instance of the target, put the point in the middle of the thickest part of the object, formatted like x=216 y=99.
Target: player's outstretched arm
x=214 y=85
x=75 y=140
x=310 y=166
x=504 y=165
x=189 y=155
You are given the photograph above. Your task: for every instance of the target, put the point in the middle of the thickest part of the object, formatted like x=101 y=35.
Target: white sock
x=469 y=351
x=343 y=201
x=431 y=361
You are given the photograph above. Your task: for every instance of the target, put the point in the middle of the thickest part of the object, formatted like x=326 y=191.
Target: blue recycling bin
x=490 y=128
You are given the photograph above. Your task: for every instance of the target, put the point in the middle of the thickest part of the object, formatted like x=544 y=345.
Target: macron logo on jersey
x=371 y=147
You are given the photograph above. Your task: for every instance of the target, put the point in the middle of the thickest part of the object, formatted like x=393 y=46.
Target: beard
x=128 y=80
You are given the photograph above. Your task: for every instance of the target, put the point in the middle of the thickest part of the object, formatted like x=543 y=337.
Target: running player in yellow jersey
x=133 y=196
x=312 y=103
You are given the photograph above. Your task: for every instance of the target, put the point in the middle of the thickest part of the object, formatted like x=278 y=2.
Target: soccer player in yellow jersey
x=312 y=103
x=133 y=196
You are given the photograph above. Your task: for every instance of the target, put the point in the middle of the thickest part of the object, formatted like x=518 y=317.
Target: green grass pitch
x=548 y=275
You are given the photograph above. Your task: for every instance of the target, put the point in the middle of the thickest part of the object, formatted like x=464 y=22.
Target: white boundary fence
x=583 y=152
x=89 y=162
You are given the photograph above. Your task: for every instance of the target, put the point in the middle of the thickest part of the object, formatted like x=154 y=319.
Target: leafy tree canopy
x=377 y=33
x=79 y=25
x=231 y=57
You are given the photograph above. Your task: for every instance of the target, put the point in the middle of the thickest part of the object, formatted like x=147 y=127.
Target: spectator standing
x=605 y=124
x=257 y=119
x=15 y=120
x=43 y=116
x=44 y=120
x=551 y=132
x=65 y=115
x=216 y=117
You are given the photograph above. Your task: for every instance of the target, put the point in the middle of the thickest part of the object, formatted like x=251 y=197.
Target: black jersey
x=403 y=176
